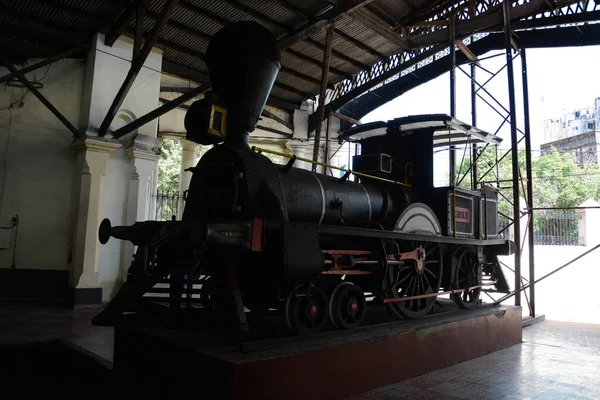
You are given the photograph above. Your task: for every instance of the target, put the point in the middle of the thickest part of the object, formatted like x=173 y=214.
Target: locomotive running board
x=507 y=247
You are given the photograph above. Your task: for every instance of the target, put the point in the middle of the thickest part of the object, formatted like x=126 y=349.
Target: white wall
x=115 y=204
x=39 y=167
x=108 y=69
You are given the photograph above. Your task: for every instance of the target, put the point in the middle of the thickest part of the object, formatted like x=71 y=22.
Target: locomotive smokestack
x=243 y=60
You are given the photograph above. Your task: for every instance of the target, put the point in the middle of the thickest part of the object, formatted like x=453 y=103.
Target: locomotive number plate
x=463 y=215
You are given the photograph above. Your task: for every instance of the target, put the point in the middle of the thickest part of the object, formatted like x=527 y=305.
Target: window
x=591 y=125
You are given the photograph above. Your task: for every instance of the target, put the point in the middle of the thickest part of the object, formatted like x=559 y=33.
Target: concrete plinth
x=330 y=365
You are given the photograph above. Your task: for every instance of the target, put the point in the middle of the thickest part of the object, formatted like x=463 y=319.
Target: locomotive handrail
x=278 y=153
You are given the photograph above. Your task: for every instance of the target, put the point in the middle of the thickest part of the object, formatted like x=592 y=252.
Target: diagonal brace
x=40 y=96
x=136 y=66
x=45 y=62
x=165 y=108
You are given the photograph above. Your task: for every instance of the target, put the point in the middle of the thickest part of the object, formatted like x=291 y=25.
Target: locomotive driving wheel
x=419 y=275
x=306 y=309
x=347 y=306
x=465 y=275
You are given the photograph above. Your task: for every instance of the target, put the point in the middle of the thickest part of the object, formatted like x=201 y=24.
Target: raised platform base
x=331 y=365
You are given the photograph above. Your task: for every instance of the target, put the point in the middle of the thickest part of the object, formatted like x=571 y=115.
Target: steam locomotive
x=318 y=248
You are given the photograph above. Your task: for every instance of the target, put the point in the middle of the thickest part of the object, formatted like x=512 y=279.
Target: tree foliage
x=558 y=181
x=169 y=166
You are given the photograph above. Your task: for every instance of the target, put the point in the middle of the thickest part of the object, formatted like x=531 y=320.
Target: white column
x=188 y=160
x=91 y=157
x=334 y=158
x=300 y=149
x=142 y=153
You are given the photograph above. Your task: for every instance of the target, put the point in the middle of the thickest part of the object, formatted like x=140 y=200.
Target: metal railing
x=551 y=227
x=168 y=204
x=556 y=227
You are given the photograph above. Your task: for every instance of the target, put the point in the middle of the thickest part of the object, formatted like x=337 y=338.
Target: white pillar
x=143 y=155
x=91 y=157
x=300 y=149
x=188 y=160
x=334 y=158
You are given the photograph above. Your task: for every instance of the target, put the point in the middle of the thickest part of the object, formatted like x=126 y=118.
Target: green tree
x=559 y=182
x=169 y=166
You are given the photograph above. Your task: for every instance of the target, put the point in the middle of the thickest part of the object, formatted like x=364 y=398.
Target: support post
x=452 y=155
x=529 y=181
x=323 y=92
x=136 y=66
x=514 y=149
x=474 y=169
x=40 y=96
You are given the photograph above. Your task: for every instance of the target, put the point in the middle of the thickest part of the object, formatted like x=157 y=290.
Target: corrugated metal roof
x=57 y=25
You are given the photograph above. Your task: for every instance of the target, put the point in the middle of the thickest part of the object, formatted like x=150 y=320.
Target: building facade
x=576 y=133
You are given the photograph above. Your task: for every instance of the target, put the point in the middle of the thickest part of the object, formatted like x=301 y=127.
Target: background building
x=576 y=133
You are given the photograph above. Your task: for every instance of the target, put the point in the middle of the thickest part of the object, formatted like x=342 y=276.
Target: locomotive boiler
x=320 y=249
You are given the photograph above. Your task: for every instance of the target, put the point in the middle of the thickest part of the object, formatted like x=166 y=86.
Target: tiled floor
x=23 y=325
x=556 y=360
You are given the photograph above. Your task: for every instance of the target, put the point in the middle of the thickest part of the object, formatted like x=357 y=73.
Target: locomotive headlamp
x=206 y=121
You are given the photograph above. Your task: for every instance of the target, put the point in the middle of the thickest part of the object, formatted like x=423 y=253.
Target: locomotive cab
x=403 y=150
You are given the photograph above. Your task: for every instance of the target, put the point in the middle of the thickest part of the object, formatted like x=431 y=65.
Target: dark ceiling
x=366 y=32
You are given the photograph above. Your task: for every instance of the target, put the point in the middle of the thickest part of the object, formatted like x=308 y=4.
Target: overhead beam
x=493 y=18
x=278 y=102
x=466 y=51
x=40 y=96
x=47 y=61
x=139 y=29
x=76 y=11
x=165 y=108
x=416 y=15
x=360 y=44
x=137 y=66
x=372 y=21
x=294 y=8
x=51 y=27
x=287 y=29
x=345 y=118
x=121 y=23
x=319 y=64
x=304 y=77
x=339 y=54
x=276 y=131
x=184 y=72
x=274 y=117
x=292 y=89
x=320 y=22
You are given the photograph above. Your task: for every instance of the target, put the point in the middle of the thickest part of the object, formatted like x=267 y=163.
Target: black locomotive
x=260 y=236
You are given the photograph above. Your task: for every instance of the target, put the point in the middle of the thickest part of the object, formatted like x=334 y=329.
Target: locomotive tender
x=316 y=247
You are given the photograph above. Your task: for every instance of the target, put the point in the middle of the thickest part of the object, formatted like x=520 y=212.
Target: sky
x=560 y=80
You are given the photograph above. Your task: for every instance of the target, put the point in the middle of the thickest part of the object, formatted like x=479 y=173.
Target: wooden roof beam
x=121 y=24
x=321 y=21
x=319 y=64
x=381 y=27
x=466 y=51
x=360 y=44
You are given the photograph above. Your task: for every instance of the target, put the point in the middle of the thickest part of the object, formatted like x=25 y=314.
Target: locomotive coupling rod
x=260 y=149
x=501 y=299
